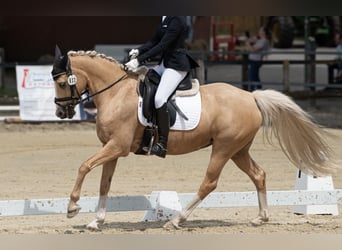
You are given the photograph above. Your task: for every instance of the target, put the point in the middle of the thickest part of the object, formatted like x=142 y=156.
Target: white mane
x=91 y=53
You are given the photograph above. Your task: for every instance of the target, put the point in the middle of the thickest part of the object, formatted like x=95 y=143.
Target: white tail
x=300 y=138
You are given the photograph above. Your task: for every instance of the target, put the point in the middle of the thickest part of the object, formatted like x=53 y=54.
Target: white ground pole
x=149 y=202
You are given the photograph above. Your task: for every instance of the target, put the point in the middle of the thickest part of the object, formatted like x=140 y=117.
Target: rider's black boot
x=163 y=123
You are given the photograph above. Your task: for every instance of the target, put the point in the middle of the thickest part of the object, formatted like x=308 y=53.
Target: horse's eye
x=62 y=84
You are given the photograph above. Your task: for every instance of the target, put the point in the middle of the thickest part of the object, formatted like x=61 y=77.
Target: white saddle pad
x=189 y=105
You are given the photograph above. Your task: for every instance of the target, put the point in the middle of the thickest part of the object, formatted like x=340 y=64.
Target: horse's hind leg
x=244 y=161
x=106 y=180
x=217 y=161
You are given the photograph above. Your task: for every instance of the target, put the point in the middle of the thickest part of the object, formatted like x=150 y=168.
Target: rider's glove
x=133 y=54
x=132 y=65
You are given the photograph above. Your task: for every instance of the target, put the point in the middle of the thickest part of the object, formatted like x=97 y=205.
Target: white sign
x=37 y=93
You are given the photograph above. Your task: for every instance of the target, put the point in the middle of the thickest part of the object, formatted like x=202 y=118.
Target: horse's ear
x=58 y=53
x=61 y=63
x=68 y=64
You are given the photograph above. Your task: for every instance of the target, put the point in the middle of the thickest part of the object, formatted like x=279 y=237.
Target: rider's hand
x=132 y=65
x=133 y=54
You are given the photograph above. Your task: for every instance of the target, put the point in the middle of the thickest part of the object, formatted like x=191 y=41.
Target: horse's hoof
x=93 y=226
x=259 y=221
x=73 y=212
x=170 y=225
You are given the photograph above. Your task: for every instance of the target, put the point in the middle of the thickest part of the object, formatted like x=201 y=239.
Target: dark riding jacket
x=168 y=42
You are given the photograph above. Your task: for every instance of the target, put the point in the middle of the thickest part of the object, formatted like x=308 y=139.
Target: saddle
x=147 y=89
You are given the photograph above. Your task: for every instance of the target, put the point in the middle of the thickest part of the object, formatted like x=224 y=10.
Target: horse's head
x=67 y=95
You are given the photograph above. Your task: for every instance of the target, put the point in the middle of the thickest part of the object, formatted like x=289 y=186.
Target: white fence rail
x=8 y=108
x=148 y=202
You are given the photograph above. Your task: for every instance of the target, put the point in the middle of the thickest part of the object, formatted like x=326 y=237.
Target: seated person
x=339 y=55
x=338 y=64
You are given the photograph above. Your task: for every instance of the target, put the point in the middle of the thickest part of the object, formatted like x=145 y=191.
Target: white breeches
x=169 y=81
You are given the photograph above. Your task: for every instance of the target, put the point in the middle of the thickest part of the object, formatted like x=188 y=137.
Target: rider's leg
x=168 y=83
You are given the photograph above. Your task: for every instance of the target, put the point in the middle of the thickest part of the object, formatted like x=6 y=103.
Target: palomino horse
x=230 y=119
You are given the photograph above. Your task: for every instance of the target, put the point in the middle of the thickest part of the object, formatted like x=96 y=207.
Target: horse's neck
x=120 y=89
x=105 y=79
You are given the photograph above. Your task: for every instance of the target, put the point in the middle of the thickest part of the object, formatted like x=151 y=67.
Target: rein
x=102 y=90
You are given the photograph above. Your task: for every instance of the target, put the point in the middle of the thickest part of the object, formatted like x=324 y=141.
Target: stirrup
x=159 y=150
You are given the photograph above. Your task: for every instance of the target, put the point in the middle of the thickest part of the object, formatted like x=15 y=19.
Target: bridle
x=76 y=97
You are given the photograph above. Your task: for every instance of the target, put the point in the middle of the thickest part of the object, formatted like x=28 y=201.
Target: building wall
x=243 y=23
x=27 y=38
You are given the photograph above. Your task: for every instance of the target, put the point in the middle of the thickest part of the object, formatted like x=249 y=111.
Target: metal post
x=306 y=48
x=312 y=59
x=310 y=48
x=2 y=56
x=286 y=76
x=310 y=70
x=200 y=71
x=244 y=72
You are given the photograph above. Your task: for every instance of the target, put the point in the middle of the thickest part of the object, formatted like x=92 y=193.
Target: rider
x=174 y=65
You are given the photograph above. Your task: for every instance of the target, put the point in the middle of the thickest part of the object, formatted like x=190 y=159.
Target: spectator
x=257 y=48
x=190 y=22
x=339 y=55
x=332 y=78
x=87 y=109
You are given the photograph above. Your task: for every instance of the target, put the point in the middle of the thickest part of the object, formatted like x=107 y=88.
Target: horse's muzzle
x=63 y=112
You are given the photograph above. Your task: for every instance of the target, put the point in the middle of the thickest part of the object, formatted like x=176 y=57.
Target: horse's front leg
x=106 y=180
x=106 y=154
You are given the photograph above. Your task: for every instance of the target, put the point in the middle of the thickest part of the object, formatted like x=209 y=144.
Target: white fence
x=148 y=202
x=8 y=108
